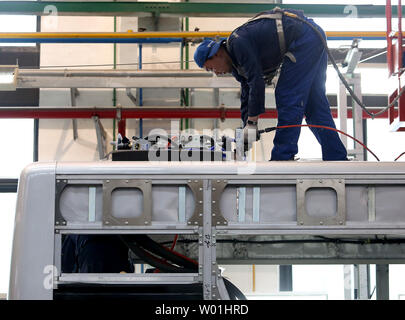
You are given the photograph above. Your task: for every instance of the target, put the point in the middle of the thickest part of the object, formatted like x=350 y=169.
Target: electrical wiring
x=174 y=242
x=156 y=248
x=233 y=291
x=269 y=129
x=158 y=136
x=399 y=156
x=147 y=257
x=153 y=261
x=141 y=244
x=374 y=54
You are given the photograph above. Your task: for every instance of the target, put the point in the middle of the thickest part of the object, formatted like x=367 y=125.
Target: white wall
x=260 y=279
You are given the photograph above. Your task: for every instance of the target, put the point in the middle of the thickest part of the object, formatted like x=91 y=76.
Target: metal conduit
x=110 y=73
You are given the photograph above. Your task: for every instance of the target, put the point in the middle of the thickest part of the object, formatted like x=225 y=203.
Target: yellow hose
x=143 y=35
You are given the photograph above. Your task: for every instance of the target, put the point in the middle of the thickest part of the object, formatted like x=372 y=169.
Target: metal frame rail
x=208 y=223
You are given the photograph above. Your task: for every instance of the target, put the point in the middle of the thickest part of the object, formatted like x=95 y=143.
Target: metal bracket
x=336 y=184
x=218 y=187
x=59 y=187
x=9 y=74
x=101 y=137
x=110 y=185
x=196 y=187
x=131 y=96
x=352 y=58
x=73 y=94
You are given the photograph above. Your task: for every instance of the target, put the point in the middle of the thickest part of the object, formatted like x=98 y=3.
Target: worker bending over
x=271 y=42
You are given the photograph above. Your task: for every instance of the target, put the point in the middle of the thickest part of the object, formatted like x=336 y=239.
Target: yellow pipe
x=364 y=34
x=124 y=35
x=143 y=35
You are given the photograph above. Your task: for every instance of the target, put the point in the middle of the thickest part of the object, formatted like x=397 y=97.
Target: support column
x=285 y=278
x=382 y=282
x=353 y=80
x=361 y=282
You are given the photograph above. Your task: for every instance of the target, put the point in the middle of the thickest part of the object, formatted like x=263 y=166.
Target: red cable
x=329 y=128
x=399 y=156
x=177 y=253
x=174 y=242
x=180 y=255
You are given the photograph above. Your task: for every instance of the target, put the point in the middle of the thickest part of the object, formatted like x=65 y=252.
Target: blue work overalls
x=300 y=91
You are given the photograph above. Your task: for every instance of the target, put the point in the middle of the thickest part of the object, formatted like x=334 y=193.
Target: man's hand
x=250 y=134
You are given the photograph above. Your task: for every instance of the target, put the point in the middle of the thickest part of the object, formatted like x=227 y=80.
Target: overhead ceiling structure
x=180 y=9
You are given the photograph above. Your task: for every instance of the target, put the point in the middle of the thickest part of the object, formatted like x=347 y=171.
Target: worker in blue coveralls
x=274 y=42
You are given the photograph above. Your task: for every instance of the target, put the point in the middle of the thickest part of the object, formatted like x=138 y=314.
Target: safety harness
x=277 y=15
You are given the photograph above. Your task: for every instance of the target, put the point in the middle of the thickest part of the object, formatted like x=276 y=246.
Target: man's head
x=213 y=57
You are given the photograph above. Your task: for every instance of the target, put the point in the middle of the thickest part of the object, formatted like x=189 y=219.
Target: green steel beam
x=189 y=9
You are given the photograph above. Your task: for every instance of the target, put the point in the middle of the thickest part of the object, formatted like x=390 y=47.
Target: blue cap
x=205 y=51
